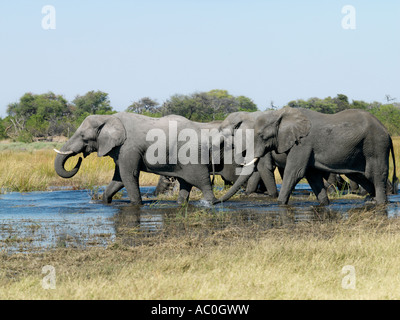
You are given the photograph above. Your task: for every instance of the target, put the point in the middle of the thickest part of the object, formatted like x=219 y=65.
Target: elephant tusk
x=63 y=152
x=251 y=162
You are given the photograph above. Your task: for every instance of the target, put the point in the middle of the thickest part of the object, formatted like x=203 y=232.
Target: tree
x=342 y=102
x=246 y=104
x=389 y=115
x=36 y=115
x=327 y=105
x=3 y=133
x=181 y=105
x=207 y=106
x=93 y=102
x=145 y=106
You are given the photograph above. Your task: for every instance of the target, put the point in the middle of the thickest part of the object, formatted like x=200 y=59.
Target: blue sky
x=267 y=50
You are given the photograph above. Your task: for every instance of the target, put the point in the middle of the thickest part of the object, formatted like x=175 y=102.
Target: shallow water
x=37 y=221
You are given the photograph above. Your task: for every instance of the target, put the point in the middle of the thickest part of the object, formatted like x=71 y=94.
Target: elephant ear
x=292 y=127
x=112 y=134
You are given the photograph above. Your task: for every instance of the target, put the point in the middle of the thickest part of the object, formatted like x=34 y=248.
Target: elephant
x=124 y=137
x=336 y=182
x=270 y=161
x=227 y=171
x=254 y=185
x=352 y=142
x=267 y=164
x=164 y=185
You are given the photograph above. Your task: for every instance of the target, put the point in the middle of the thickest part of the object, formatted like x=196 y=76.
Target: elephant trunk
x=247 y=171
x=60 y=161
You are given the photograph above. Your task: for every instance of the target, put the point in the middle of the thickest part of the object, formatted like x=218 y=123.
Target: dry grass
x=302 y=261
x=29 y=170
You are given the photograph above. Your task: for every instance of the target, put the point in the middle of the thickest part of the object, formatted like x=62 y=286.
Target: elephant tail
x=395 y=180
x=213 y=172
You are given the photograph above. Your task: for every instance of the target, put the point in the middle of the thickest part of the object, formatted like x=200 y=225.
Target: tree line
x=42 y=116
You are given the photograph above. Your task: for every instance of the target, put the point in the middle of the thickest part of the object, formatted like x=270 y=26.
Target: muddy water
x=38 y=221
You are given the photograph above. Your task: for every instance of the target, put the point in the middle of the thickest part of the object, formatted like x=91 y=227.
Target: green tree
x=37 y=115
x=207 y=106
x=342 y=102
x=182 y=105
x=93 y=102
x=389 y=115
x=3 y=133
x=327 y=105
x=246 y=104
x=145 y=106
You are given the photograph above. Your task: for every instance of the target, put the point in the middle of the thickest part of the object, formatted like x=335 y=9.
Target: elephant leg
x=130 y=179
x=114 y=186
x=111 y=190
x=184 y=191
x=380 y=184
x=330 y=184
x=316 y=182
x=163 y=185
x=268 y=177
x=360 y=179
x=354 y=187
x=201 y=180
x=252 y=183
x=295 y=170
x=281 y=171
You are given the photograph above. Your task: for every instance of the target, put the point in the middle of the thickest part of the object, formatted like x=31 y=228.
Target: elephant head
x=279 y=131
x=97 y=133
x=275 y=131
x=232 y=132
x=228 y=130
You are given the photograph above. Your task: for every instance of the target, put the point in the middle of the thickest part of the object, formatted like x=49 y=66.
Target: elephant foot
x=106 y=200
x=282 y=203
x=273 y=196
x=207 y=202
x=136 y=203
x=373 y=201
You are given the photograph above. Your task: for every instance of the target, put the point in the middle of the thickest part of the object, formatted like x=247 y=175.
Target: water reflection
x=69 y=218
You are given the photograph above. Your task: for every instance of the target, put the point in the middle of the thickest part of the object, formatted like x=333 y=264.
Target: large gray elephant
x=267 y=164
x=227 y=170
x=271 y=160
x=351 y=142
x=124 y=137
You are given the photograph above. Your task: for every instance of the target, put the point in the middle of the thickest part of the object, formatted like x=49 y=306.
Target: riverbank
x=356 y=258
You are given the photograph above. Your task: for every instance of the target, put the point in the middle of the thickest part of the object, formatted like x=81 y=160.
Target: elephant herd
x=246 y=147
